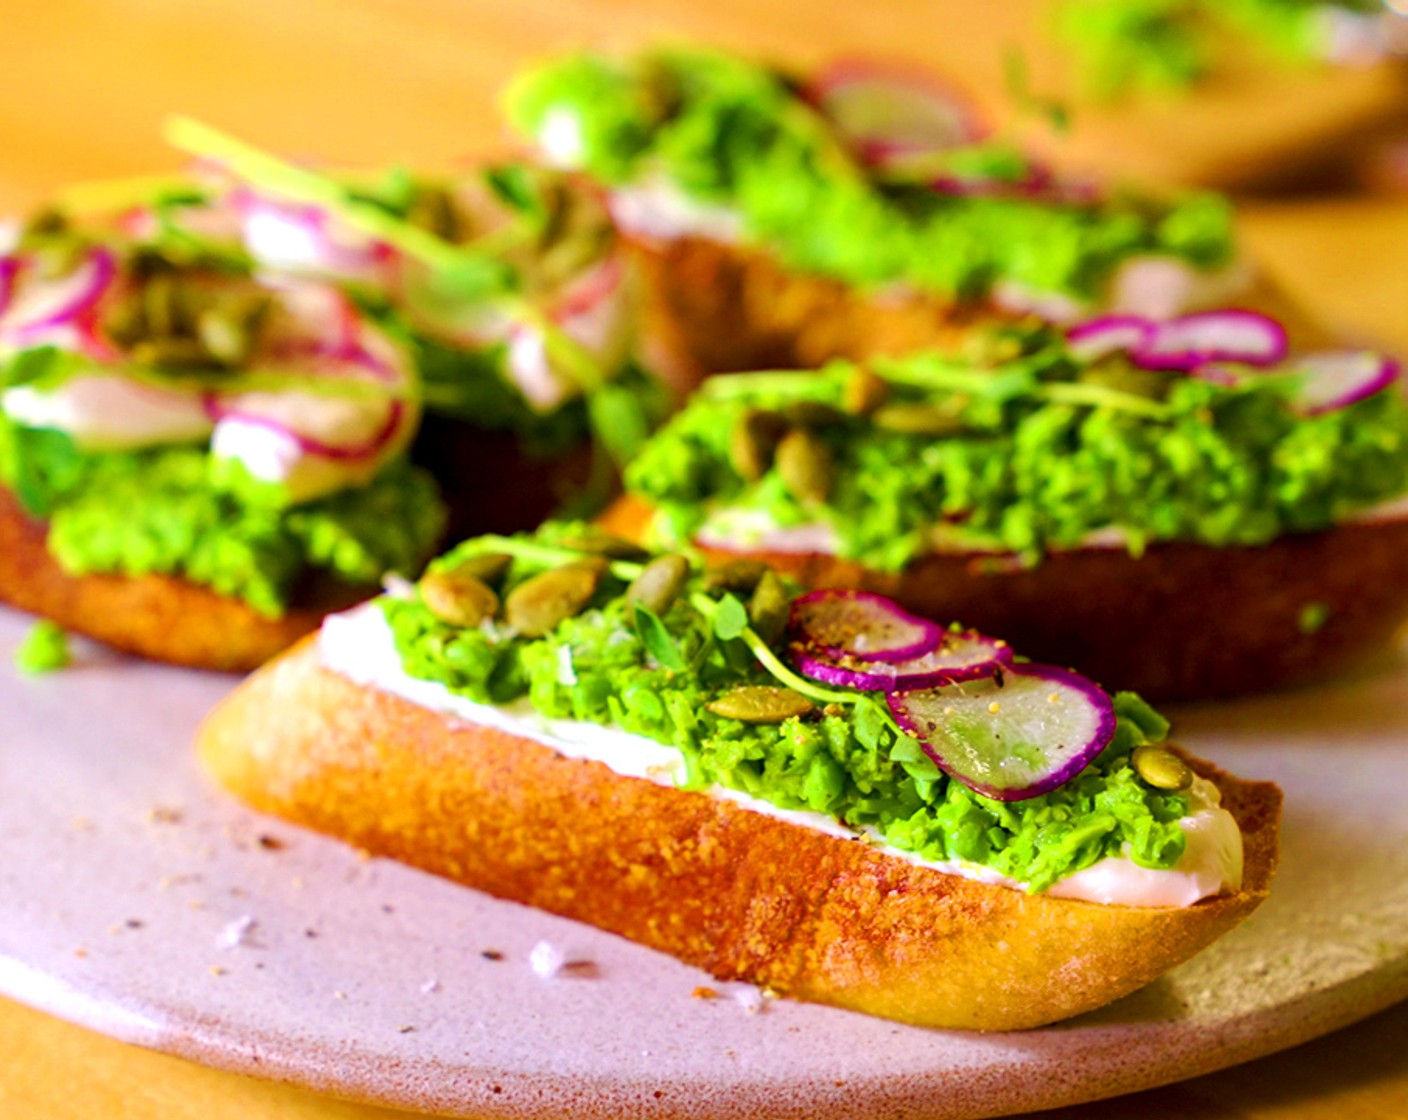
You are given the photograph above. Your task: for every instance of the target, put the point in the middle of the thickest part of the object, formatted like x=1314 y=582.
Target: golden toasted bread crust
x=743 y=895
x=710 y=307
x=160 y=617
x=1181 y=621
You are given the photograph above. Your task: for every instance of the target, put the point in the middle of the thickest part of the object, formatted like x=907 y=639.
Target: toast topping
x=696 y=134
x=1042 y=446
x=698 y=680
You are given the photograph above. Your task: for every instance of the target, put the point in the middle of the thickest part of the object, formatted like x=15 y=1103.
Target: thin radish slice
x=1014 y=736
x=39 y=306
x=888 y=112
x=1215 y=336
x=593 y=311
x=962 y=655
x=9 y=273
x=1227 y=374
x=862 y=626
x=300 y=238
x=1338 y=379
x=110 y=411
x=1110 y=334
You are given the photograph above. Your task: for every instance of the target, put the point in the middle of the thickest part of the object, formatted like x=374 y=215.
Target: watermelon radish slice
x=861 y=626
x=962 y=655
x=1016 y=735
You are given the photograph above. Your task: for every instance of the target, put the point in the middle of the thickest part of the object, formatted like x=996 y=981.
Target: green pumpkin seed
x=458 y=598
x=754 y=442
x=918 y=420
x=434 y=209
x=864 y=392
x=172 y=353
x=538 y=605
x=45 y=223
x=59 y=258
x=659 y=585
x=760 y=704
x=804 y=462
x=769 y=608
x=487 y=566
x=738 y=577
x=813 y=414
x=1150 y=383
x=1161 y=768
x=162 y=305
x=598 y=543
x=126 y=323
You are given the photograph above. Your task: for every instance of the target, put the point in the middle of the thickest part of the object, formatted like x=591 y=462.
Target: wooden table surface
x=86 y=85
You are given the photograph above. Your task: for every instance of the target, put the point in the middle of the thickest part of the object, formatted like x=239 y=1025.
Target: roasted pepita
x=537 y=605
x=754 y=441
x=1161 y=768
x=760 y=704
x=659 y=585
x=805 y=465
x=457 y=597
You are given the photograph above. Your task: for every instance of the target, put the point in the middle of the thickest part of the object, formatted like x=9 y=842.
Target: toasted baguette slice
x=165 y=618
x=160 y=617
x=1180 y=622
x=711 y=307
x=743 y=895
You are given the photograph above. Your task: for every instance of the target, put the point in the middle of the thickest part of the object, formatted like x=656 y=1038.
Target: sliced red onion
x=1214 y=336
x=1337 y=379
x=888 y=112
x=962 y=655
x=1110 y=334
x=1016 y=735
x=842 y=622
x=39 y=306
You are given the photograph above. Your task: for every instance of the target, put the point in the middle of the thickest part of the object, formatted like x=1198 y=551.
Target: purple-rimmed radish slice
x=888 y=112
x=592 y=310
x=841 y=622
x=1337 y=379
x=39 y=306
x=1110 y=334
x=962 y=655
x=1014 y=736
x=1214 y=336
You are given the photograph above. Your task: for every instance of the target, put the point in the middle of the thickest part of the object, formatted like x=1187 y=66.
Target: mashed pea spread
x=741 y=137
x=655 y=676
x=166 y=511
x=1124 y=45
x=1029 y=452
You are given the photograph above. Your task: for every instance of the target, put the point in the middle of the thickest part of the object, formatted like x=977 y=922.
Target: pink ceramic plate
x=137 y=901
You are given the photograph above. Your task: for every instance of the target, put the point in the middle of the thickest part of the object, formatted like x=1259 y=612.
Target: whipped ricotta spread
x=359 y=645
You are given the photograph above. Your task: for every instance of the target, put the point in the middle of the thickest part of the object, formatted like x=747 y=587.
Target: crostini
x=783 y=221
x=210 y=396
x=823 y=795
x=1180 y=508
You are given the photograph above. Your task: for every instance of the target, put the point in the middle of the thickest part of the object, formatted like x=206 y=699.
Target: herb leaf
x=730 y=618
x=658 y=640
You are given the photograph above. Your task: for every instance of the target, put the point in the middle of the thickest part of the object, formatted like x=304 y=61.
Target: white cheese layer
x=359 y=645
